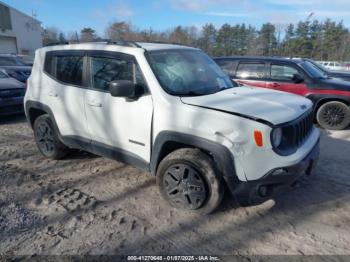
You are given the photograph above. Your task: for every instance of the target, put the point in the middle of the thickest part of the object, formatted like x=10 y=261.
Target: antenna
x=34 y=20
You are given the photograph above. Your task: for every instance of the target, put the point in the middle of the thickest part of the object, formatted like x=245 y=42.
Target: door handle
x=274 y=85
x=95 y=103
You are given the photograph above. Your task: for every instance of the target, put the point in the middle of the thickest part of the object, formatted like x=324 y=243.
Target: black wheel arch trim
x=222 y=156
x=40 y=106
x=317 y=99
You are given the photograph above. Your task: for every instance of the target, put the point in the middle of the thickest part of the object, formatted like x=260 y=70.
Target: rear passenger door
x=63 y=90
x=252 y=73
x=282 y=78
x=118 y=127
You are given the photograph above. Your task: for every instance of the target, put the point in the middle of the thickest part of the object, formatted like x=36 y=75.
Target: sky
x=73 y=15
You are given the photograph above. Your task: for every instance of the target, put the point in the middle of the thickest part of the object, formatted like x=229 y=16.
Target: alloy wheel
x=333 y=115
x=185 y=186
x=45 y=138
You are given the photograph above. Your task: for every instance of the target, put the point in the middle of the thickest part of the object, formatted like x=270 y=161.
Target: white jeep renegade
x=169 y=109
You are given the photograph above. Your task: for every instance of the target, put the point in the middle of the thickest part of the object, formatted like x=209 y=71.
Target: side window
x=228 y=66
x=104 y=70
x=69 y=69
x=251 y=70
x=48 y=66
x=283 y=72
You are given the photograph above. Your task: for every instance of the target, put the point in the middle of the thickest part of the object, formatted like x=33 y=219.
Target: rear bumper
x=275 y=181
x=13 y=105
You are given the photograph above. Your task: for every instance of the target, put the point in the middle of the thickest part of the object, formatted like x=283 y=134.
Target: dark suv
x=15 y=67
x=331 y=97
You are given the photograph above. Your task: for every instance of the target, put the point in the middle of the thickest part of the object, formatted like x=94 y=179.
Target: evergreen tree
x=267 y=40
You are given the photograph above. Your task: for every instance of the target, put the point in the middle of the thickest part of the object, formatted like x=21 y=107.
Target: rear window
x=65 y=68
x=251 y=70
x=48 y=64
x=69 y=69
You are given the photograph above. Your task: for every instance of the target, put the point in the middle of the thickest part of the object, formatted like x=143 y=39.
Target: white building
x=19 y=33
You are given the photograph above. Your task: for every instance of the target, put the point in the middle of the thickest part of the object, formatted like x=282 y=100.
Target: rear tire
x=333 y=115
x=187 y=179
x=47 y=139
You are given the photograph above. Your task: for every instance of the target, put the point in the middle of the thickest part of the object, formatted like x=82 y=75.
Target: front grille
x=12 y=93
x=302 y=129
x=295 y=133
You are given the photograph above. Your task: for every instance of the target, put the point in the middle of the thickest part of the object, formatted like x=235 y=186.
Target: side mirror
x=297 y=78
x=122 y=88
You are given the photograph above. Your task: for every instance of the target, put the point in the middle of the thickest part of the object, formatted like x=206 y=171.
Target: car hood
x=267 y=105
x=10 y=83
x=333 y=83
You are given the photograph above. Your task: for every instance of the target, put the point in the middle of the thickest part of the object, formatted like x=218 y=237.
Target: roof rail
x=123 y=43
x=164 y=42
x=57 y=43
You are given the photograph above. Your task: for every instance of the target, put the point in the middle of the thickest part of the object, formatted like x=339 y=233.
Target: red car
x=331 y=96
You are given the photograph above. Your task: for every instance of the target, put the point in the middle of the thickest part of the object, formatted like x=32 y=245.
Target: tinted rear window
x=69 y=69
x=48 y=64
x=65 y=68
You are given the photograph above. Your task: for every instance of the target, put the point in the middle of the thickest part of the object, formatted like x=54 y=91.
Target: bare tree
x=50 y=35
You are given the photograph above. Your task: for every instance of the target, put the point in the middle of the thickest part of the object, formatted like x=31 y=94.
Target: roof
x=149 y=46
x=268 y=58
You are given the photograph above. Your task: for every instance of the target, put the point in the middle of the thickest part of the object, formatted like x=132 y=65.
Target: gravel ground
x=86 y=204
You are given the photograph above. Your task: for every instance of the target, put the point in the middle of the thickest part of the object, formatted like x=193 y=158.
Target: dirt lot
x=86 y=204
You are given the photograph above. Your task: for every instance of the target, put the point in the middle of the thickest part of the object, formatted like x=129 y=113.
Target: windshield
x=319 y=66
x=188 y=72
x=313 y=71
x=11 y=61
x=3 y=75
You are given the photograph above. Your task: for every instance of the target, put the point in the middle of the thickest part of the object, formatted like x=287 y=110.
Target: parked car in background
x=170 y=110
x=341 y=75
x=27 y=60
x=15 y=67
x=12 y=94
x=333 y=65
x=331 y=97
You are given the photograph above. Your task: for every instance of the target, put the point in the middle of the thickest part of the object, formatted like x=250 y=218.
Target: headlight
x=276 y=137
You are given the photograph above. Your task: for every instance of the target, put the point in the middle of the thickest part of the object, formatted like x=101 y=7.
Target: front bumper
x=275 y=181
x=13 y=105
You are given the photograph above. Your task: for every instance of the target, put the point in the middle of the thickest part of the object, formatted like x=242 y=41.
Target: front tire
x=47 y=139
x=333 y=115
x=187 y=179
